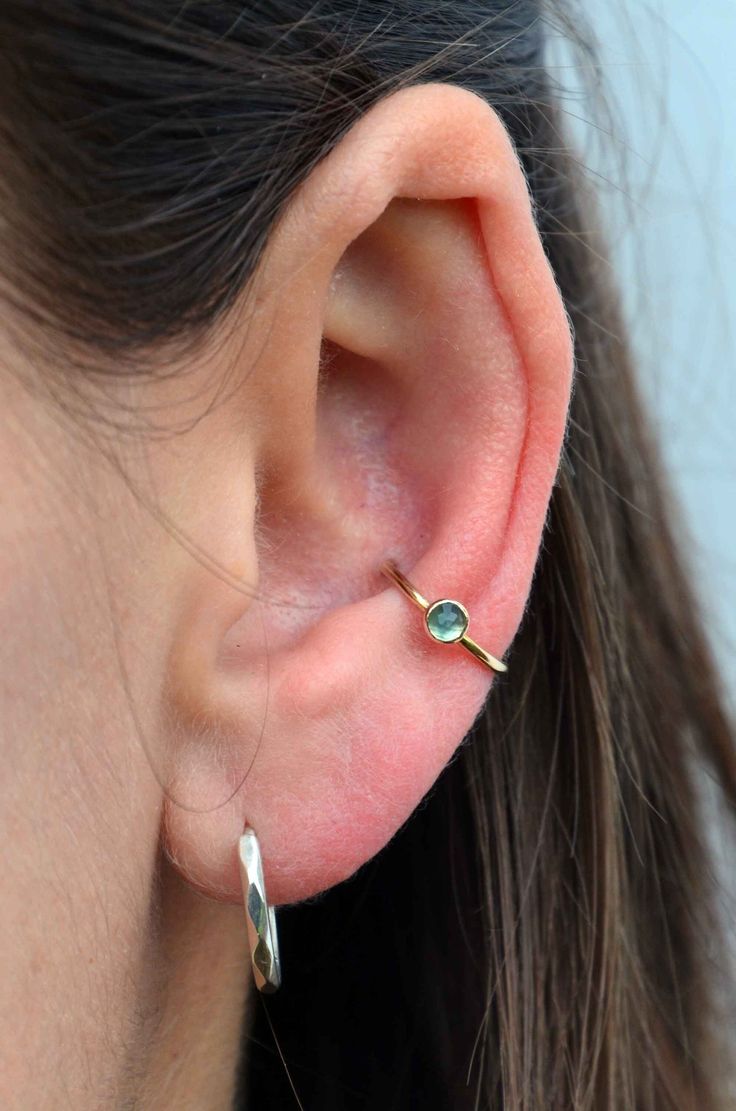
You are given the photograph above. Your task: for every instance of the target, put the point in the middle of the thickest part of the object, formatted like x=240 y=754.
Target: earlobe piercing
x=445 y=620
x=261 y=918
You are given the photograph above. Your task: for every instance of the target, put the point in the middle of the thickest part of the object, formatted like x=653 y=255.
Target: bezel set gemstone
x=446 y=620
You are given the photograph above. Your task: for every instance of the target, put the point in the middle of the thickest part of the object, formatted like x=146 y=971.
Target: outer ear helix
x=261 y=918
x=445 y=620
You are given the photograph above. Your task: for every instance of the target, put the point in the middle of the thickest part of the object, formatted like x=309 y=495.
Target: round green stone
x=446 y=620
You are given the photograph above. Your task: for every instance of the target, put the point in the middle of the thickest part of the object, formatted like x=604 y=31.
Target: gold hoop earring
x=445 y=620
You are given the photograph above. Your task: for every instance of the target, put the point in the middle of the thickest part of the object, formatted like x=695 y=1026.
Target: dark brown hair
x=541 y=934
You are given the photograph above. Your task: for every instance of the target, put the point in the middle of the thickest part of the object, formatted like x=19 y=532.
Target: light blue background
x=664 y=163
x=664 y=160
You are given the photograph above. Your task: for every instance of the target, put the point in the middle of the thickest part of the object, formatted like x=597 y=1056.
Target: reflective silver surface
x=260 y=917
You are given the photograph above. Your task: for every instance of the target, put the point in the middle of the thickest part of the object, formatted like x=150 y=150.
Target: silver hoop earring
x=260 y=917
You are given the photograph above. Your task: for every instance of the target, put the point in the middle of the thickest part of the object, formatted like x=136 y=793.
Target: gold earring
x=445 y=620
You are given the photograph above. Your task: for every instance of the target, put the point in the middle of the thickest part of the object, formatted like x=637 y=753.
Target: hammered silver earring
x=260 y=917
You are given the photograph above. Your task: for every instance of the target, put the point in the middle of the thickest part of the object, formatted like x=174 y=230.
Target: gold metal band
x=445 y=611
x=390 y=569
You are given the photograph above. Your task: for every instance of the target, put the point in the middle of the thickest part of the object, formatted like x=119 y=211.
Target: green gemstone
x=446 y=620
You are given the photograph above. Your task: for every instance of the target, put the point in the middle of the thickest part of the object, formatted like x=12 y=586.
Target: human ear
x=406 y=361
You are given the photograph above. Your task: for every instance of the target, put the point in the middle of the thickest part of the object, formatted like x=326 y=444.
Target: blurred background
x=655 y=124
x=659 y=139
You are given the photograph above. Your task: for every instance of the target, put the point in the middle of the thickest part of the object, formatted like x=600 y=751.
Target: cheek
x=78 y=800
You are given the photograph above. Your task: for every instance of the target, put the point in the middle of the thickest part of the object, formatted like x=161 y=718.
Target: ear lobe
x=412 y=381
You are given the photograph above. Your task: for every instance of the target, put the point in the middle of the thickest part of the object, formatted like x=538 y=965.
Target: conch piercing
x=261 y=918
x=445 y=620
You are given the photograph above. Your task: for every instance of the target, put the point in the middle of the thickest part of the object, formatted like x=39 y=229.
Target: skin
x=152 y=704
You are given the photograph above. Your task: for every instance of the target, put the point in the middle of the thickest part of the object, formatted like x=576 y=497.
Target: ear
x=404 y=362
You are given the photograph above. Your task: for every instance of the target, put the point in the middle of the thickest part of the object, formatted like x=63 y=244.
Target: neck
x=196 y=989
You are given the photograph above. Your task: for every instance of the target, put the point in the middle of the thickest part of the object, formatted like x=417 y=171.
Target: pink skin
x=432 y=435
